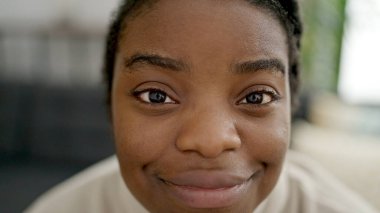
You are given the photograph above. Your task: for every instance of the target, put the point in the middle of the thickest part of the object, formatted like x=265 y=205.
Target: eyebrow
x=272 y=65
x=155 y=60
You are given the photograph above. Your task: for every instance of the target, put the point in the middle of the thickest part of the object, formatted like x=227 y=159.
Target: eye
x=260 y=97
x=153 y=96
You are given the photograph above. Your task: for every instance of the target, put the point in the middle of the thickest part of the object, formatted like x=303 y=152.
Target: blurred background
x=53 y=119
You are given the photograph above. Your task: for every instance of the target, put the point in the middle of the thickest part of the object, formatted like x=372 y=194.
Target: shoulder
x=307 y=187
x=99 y=188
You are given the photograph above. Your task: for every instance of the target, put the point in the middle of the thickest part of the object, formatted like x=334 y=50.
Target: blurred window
x=359 y=81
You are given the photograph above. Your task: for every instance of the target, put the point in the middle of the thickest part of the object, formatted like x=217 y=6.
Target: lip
x=207 y=189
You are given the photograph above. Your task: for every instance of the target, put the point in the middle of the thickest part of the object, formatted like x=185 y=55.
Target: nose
x=209 y=133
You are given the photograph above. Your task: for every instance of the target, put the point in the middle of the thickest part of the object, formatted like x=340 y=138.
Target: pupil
x=255 y=98
x=157 y=97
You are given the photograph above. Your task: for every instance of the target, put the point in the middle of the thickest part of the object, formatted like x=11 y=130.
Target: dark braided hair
x=286 y=11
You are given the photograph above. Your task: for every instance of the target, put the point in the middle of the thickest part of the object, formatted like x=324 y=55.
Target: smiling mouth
x=205 y=189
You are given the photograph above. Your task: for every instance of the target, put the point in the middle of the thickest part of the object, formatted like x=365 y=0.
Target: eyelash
x=138 y=96
x=274 y=96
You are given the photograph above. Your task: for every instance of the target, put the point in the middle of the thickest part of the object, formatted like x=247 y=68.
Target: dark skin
x=201 y=105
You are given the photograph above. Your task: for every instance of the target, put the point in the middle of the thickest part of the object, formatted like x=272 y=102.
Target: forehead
x=212 y=29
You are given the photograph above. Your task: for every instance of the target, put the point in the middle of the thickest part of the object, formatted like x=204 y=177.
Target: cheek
x=267 y=139
x=139 y=141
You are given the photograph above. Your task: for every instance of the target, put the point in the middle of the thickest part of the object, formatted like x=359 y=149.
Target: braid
x=294 y=37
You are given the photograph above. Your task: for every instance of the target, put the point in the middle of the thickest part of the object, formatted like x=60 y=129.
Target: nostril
x=208 y=135
x=208 y=147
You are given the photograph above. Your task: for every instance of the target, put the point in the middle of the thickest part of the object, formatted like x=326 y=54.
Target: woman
x=201 y=94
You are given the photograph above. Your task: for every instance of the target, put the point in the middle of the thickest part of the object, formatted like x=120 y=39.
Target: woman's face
x=201 y=105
